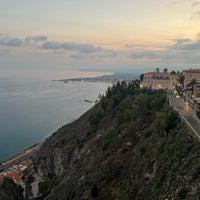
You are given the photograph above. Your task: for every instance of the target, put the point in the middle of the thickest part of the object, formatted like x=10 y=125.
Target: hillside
x=9 y=190
x=130 y=145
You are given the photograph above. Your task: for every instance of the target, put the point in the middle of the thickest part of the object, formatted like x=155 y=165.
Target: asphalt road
x=187 y=113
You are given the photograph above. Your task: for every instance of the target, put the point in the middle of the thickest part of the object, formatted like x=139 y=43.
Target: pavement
x=188 y=114
x=35 y=186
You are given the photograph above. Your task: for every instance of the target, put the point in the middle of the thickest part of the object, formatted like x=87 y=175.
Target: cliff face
x=131 y=145
x=61 y=150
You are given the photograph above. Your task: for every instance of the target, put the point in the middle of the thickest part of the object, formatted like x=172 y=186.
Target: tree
x=160 y=122
x=181 y=80
x=172 y=120
x=108 y=92
x=95 y=116
x=141 y=77
x=173 y=72
x=157 y=69
x=198 y=114
x=165 y=70
x=192 y=83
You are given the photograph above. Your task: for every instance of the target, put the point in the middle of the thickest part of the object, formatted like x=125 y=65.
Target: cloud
x=70 y=46
x=6 y=40
x=187 y=45
x=196 y=3
x=35 y=39
x=141 y=47
x=11 y=42
x=135 y=46
x=151 y=55
x=191 y=2
x=4 y=52
x=183 y=40
x=143 y=55
x=95 y=55
x=195 y=15
x=89 y=48
x=41 y=42
x=184 y=49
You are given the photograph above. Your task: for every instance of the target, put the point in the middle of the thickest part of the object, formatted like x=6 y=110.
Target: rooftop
x=192 y=71
x=160 y=74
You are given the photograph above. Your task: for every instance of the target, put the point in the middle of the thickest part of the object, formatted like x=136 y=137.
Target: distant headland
x=106 y=78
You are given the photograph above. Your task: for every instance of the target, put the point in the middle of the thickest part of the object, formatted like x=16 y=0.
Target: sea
x=31 y=109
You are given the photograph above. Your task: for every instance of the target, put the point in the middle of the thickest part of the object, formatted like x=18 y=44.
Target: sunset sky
x=106 y=35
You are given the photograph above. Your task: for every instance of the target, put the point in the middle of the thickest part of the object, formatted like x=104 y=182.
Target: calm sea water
x=31 y=110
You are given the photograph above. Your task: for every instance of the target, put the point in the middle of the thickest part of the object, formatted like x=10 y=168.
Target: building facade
x=189 y=75
x=159 y=80
x=191 y=91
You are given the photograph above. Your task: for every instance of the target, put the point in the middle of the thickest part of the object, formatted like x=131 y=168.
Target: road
x=187 y=113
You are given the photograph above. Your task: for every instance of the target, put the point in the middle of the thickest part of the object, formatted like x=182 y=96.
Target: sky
x=93 y=35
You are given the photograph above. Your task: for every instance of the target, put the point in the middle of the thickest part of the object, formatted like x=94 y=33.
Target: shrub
x=95 y=116
x=182 y=193
x=198 y=114
x=119 y=194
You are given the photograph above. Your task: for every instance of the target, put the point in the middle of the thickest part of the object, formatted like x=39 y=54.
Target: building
x=191 y=90
x=159 y=80
x=189 y=75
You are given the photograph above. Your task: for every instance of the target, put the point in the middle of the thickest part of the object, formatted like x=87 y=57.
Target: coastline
x=19 y=157
x=29 y=152
x=27 y=111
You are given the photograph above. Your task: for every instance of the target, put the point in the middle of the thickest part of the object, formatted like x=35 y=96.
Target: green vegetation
x=143 y=116
x=130 y=145
x=30 y=178
x=9 y=190
x=165 y=70
x=95 y=117
x=133 y=109
x=181 y=80
x=45 y=186
x=119 y=194
x=198 y=114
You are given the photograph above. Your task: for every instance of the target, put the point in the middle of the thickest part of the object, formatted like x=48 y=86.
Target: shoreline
x=65 y=116
x=35 y=147
x=28 y=152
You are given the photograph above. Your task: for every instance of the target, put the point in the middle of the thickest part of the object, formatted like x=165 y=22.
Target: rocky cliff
x=130 y=145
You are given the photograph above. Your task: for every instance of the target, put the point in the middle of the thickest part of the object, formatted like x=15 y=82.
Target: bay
x=32 y=109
